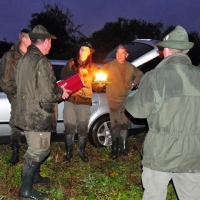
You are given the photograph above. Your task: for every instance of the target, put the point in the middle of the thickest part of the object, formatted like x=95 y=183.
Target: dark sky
x=93 y=14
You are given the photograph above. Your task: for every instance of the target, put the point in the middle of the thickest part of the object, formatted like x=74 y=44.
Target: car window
x=148 y=66
x=135 y=50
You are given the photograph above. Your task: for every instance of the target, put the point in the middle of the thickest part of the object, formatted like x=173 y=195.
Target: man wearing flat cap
x=169 y=97
x=76 y=111
x=37 y=96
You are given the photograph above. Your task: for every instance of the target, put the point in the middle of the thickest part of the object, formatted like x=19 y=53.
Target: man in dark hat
x=8 y=84
x=36 y=114
x=169 y=97
x=76 y=112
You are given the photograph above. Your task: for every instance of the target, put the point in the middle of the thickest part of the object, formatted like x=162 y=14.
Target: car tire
x=99 y=134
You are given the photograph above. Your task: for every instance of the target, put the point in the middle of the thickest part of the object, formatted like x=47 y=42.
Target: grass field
x=100 y=179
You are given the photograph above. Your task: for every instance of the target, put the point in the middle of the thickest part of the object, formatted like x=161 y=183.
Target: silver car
x=142 y=54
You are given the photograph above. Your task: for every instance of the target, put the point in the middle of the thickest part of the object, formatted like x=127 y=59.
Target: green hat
x=88 y=44
x=40 y=32
x=176 y=39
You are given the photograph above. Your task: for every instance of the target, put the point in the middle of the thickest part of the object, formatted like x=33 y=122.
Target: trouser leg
x=83 y=113
x=155 y=184
x=15 y=135
x=123 y=142
x=187 y=185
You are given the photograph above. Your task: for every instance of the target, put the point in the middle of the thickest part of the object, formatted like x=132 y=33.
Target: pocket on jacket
x=48 y=107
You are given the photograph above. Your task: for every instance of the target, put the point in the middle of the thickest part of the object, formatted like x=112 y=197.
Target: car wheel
x=99 y=134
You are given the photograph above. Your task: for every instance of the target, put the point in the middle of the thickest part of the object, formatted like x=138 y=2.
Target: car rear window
x=135 y=50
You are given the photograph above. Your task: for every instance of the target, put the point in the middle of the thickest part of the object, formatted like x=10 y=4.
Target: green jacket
x=37 y=93
x=8 y=70
x=169 y=97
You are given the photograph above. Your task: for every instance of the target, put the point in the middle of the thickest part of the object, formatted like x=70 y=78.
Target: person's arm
x=138 y=75
x=67 y=69
x=49 y=90
x=141 y=104
x=8 y=75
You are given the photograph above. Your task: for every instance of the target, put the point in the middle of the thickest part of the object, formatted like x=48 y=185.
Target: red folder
x=73 y=81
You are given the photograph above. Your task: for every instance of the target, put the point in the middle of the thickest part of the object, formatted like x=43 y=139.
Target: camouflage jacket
x=169 y=97
x=37 y=93
x=84 y=95
x=8 y=69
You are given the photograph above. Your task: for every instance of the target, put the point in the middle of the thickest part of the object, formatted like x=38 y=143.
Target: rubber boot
x=69 y=142
x=38 y=179
x=123 y=142
x=27 y=191
x=15 y=155
x=82 y=141
x=115 y=145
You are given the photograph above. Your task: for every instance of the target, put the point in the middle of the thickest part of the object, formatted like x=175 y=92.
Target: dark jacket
x=8 y=70
x=37 y=93
x=84 y=95
x=169 y=97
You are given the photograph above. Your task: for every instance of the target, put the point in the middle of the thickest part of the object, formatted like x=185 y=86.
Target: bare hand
x=65 y=94
x=101 y=85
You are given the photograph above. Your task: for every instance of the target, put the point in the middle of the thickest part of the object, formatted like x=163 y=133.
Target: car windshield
x=135 y=50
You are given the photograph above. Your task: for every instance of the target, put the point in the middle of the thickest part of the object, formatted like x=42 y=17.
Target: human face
x=27 y=41
x=166 y=52
x=47 y=46
x=84 y=52
x=121 y=55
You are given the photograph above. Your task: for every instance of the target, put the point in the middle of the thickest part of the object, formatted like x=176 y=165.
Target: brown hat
x=88 y=44
x=176 y=39
x=40 y=32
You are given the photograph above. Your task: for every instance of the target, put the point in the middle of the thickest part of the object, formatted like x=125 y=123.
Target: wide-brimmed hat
x=40 y=32
x=88 y=44
x=176 y=39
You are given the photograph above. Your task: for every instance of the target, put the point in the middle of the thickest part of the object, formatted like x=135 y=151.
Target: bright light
x=100 y=76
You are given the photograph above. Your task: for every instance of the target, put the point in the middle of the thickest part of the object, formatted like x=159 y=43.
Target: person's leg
x=69 y=116
x=155 y=184
x=15 y=134
x=124 y=124
x=38 y=150
x=83 y=113
x=187 y=185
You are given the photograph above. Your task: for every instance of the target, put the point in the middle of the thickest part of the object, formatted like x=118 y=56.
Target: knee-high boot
x=123 y=142
x=115 y=145
x=15 y=155
x=27 y=191
x=38 y=179
x=82 y=141
x=69 y=142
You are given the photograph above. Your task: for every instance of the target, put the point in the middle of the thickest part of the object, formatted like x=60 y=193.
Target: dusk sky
x=93 y=14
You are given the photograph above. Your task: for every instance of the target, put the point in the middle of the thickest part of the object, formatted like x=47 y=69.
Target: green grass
x=100 y=179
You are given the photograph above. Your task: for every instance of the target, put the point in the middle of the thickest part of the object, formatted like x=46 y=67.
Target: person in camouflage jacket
x=169 y=97
x=36 y=113
x=8 y=84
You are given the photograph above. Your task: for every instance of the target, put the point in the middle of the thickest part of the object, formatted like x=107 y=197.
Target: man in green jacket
x=169 y=97
x=36 y=113
x=8 y=84
x=123 y=76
